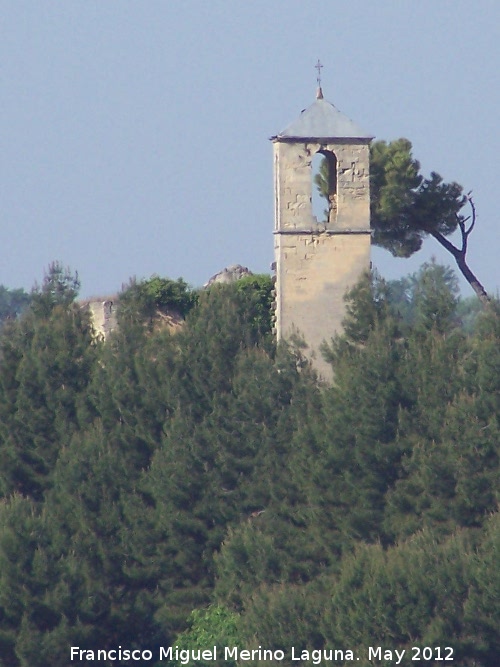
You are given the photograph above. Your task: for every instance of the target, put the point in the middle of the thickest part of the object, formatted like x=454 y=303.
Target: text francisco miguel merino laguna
x=184 y=656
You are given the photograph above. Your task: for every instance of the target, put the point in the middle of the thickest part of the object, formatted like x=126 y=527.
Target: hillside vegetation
x=204 y=487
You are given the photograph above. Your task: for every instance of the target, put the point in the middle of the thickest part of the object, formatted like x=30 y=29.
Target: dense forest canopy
x=201 y=487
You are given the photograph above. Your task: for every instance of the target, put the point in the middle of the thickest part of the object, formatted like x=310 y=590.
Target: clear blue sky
x=134 y=134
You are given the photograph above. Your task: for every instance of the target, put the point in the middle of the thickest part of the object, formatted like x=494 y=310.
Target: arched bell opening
x=324 y=187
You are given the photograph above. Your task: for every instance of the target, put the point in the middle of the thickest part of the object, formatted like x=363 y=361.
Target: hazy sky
x=134 y=135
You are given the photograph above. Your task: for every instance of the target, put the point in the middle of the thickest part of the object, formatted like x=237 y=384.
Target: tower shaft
x=317 y=261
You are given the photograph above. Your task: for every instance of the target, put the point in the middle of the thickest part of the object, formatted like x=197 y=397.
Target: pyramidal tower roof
x=322 y=120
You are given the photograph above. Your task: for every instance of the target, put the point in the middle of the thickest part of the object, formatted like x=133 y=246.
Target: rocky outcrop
x=229 y=275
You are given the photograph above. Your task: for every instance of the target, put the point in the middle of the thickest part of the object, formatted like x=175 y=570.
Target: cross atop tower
x=319 y=93
x=319 y=67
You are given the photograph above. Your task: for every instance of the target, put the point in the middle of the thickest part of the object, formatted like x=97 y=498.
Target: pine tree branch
x=448 y=245
x=473 y=217
x=460 y=256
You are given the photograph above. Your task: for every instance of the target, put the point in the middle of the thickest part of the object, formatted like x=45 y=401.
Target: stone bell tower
x=318 y=260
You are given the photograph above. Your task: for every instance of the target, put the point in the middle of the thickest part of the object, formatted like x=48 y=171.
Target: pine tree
x=357 y=450
x=46 y=362
x=482 y=611
x=411 y=595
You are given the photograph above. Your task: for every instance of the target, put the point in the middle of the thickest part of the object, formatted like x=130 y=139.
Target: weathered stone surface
x=313 y=272
x=229 y=275
x=103 y=315
x=293 y=185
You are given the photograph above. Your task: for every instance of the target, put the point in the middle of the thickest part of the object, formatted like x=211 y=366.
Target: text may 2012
x=315 y=656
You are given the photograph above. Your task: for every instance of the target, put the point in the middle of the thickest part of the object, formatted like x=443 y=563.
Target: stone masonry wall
x=313 y=273
x=293 y=173
x=316 y=263
x=103 y=315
